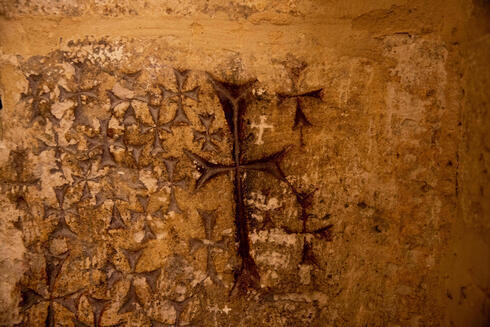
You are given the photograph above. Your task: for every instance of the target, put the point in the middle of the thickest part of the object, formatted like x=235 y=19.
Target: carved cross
x=156 y=128
x=103 y=141
x=136 y=151
x=209 y=222
x=85 y=177
x=178 y=96
x=98 y=307
x=80 y=118
x=78 y=95
x=58 y=150
x=144 y=201
x=116 y=219
x=305 y=200
x=172 y=184
x=62 y=229
x=261 y=126
x=207 y=136
x=300 y=120
x=36 y=94
x=131 y=300
x=129 y=115
x=179 y=307
x=54 y=264
x=18 y=181
x=233 y=99
x=295 y=68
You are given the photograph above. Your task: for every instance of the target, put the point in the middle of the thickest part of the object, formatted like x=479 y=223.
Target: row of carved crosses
x=62 y=229
x=71 y=300
x=131 y=301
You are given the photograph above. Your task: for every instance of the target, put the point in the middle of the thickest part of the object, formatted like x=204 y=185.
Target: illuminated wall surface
x=244 y=163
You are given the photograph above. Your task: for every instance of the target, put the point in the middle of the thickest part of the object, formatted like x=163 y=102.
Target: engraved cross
x=180 y=117
x=209 y=222
x=233 y=99
x=54 y=264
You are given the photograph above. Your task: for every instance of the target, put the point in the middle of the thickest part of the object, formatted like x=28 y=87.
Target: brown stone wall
x=244 y=163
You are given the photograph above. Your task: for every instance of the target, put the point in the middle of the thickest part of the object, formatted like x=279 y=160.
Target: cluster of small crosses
x=98 y=162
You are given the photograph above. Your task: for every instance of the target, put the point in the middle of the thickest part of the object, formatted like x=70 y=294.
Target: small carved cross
x=261 y=127
x=305 y=200
x=300 y=119
x=144 y=201
x=209 y=222
x=207 y=136
x=98 y=307
x=62 y=229
x=116 y=219
x=170 y=164
x=54 y=264
x=114 y=275
x=129 y=115
x=86 y=176
x=180 y=117
x=36 y=94
x=179 y=307
x=78 y=96
x=156 y=128
x=58 y=149
x=103 y=141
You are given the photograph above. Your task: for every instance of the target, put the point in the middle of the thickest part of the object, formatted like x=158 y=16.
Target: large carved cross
x=234 y=99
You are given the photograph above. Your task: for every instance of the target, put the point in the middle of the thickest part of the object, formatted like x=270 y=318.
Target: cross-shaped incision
x=18 y=181
x=131 y=301
x=98 y=307
x=305 y=200
x=117 y=221
x=178 y=96
x=103 y=141
x=179 y=307
x=38 y=98
x=129 y=115
x=300 y=119
x=156 y=127
x=233 y=99
x=54 y=264
x=148 y=233
x=172 y=184
x=62 y=229
x=85 y=176
x=207 y=136
x=58 y=150
x=209 y=222
x=78 y=96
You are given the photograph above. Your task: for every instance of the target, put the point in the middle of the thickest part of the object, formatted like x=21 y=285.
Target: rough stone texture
x=244 y=163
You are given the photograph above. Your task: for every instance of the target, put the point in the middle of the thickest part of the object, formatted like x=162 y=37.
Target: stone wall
x=244 y=163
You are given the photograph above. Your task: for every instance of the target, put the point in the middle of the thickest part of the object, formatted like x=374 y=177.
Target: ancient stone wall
x=244 y=163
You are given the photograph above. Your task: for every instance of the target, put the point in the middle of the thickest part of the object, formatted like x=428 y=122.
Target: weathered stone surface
x=244 y=163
